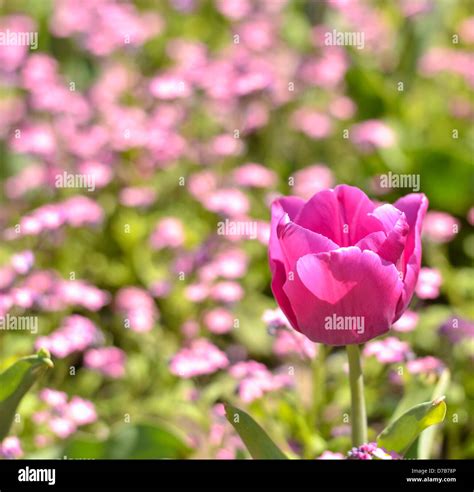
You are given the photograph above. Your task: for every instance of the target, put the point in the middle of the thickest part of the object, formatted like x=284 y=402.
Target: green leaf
x=401 y=433
x=145 y=441
x=259 y=445
x=129 y=441
x=426 y=439
x=16 y=381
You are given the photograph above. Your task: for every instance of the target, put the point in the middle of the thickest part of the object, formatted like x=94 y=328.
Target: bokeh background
x=185 y=118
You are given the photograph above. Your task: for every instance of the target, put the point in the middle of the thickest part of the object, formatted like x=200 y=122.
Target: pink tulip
x=338 y=256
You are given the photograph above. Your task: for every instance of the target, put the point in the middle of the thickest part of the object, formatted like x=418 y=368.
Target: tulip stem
x=358 y=413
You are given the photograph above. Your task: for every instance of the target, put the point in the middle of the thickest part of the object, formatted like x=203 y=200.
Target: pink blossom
x=201 y=357
x=54 y=398
x=231 y=264
x=227 y=291
x=168 y=233
x=12 y=56
x=291 y=342
x=81 y=293
x=327 y=70
x=387 y=351
x=313 y=123
x=36 y=139
x=219 y=320
x=197 y=292
x=227 y=201
x=100 y=173
x=429 y=283
x=329 y=455
x=372 y=134
x=22 y=262
x=234 y=9
x=75 y=335
x=407 y=322
x=168 y=86
x=110 y=361
x=424 y=365
x=254 y=175
x=10 y=448
x=80 y=411
x=312 y=179
x=440 y=227
x=138 y=307
x=226 y=145
x=61 y=426
x=139 y=196
x=256 y=379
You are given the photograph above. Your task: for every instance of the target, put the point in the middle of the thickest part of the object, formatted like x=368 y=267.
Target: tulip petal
x=342 y=215
x=287 y=205
x=280 y=207
x=296 y=241
x=347 y=283
x=414 y=207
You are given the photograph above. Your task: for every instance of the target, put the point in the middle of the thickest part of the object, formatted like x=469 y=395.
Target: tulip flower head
x=343 y=267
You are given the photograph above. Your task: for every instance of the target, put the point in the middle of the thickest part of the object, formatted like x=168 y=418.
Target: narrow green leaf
x=399 y=435
x=16 y=381
x=427 y=438
x=259 y=445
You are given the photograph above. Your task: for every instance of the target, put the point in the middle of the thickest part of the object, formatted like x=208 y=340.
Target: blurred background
x=141 y=144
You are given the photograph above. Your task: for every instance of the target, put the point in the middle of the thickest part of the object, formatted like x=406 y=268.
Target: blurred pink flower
x=371 y=134
x=329 y=455
x=169 y=86
x=429 y=283
x=75 y=335
x=81 y=411
x=234 y=9
x=138 y=307
x=201 y=357
x=291 y=342
x=53 y=398
x=327 y=70
x=313 y=123
x=440 y=227
x=227 y=201
x=231 y=264
x=311 y=180
x=219 y=320
x=424 y=365
x=256 y=379
x=109 y=361
x=407 y=322
x=13 y=55
x=227 y=291
x=254 y=175
x=168 y=233
x=22 y=262
x=61 y=426
x=456 y=61
x=342 y=108
x=387 y=351
x=226 y=145
x=81 y=293
x=10 y=448
x=100 y=173
x=137 y=196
